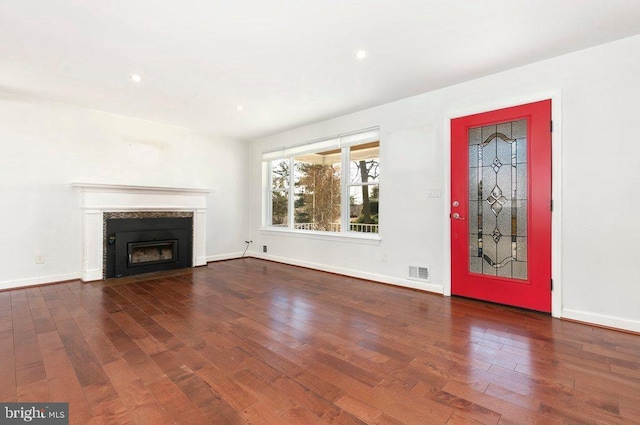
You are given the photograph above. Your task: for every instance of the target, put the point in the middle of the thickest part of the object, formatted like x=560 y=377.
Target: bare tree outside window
x=364 y=188
x=318 y=196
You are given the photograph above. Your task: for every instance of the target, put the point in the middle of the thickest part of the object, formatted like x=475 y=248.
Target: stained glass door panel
x=501 y=194
x=498 y=199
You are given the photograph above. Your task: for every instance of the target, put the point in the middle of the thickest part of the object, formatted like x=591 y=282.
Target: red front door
x=501 y=206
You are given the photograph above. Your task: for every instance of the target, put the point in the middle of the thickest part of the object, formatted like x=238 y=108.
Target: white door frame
x=556 y=184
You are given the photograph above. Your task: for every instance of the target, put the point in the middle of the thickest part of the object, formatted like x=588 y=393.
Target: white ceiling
x=288 y=62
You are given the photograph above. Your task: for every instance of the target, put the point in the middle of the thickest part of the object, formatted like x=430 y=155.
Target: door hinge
x=551 y=126
x=551 y=205
x=552 y=284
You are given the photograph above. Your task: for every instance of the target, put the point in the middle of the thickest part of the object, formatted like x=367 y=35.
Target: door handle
x=457 y=216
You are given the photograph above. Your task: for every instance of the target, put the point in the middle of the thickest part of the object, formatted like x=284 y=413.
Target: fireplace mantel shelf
x=99 y=187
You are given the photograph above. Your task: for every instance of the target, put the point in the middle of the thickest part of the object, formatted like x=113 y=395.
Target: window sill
x=352 y=237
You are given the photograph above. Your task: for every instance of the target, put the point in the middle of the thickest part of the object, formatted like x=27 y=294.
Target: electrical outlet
x=40 y=259
x=264 y=248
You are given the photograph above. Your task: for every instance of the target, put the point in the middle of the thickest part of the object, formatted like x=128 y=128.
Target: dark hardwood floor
x=255 y=342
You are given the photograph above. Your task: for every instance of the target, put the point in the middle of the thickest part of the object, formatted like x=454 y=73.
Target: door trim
x=556 y=184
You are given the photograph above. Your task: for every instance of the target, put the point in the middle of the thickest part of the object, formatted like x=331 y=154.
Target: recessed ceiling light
x=136 y=78
x=361 y=55
x=239 y=108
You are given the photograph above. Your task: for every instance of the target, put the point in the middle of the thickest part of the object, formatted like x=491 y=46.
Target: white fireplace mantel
x=96 y=199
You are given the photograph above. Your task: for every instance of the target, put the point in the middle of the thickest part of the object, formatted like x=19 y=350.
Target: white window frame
x=342 y=142
x=346 y=158
x=270 y=190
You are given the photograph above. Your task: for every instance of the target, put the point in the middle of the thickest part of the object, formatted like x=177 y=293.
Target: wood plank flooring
x=254 y=342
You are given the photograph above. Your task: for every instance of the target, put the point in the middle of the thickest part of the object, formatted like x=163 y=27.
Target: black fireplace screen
x=141 y=245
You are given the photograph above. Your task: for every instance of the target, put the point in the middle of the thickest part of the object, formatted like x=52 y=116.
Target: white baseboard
x=222 y=257
x=602 y=319
x=40 y=280
x=406 y=283
x=92 y=274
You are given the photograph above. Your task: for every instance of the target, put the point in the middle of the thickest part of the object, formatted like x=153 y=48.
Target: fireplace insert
x=142 y=245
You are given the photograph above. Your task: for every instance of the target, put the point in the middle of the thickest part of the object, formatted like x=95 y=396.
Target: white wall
x=46 y=146
x=597 y=173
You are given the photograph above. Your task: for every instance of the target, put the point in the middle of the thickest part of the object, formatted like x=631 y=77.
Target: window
x=334 y=186
x=317 y=190
x=280 y=193
x=364 y=161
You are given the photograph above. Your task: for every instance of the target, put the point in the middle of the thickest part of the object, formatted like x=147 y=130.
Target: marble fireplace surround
x=98 y=199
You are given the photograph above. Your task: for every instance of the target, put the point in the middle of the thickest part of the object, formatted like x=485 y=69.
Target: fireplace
x=100 y=203
x=152 y=252
x=143 y=242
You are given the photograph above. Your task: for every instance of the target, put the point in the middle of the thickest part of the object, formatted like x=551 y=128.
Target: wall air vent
x=419 y=273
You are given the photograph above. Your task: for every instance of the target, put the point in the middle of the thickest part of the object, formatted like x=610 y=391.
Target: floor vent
x=419 y=273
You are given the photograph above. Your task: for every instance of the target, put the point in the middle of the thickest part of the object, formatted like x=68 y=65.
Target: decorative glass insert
x=498 y=200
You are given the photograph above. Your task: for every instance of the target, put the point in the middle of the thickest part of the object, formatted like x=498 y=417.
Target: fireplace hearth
x=147 y=244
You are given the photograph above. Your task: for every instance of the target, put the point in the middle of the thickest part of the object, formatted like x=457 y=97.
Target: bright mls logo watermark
x=34 y=413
